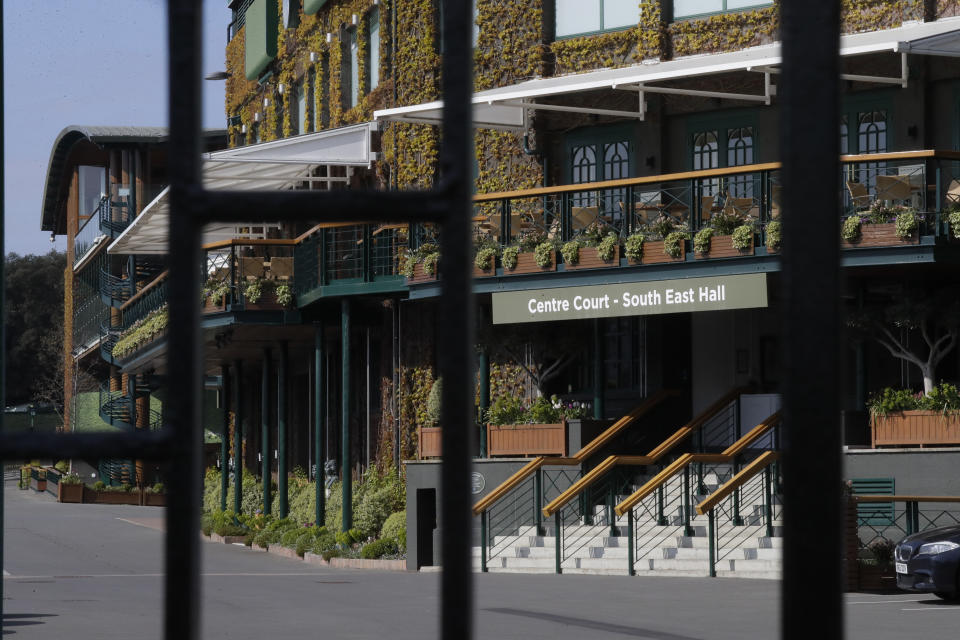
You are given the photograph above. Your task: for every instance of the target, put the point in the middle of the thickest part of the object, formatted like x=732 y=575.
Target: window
x=576 y=17
x=324 y=80
x=92 y=184
x=869 y=133
x=724 y=147
x=374 y=49
x=605 y=153
x=303 y=95
x=349 y=73
x=688 y=8
x=476 y=24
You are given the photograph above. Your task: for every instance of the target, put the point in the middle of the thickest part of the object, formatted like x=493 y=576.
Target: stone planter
x=419 y=275
x=70 y=493
x=527 y=263
x=880 y=235
x=527 y=439
x=428 y=442
x=214 y=537
x=653 y=253
x=283 y=552
x=915 y=429
x=361 y=563
x=722 y=247
x=590 y=259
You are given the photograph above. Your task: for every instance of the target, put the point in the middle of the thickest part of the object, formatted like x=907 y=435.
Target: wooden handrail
x=688 y=458
x=883 y=498
x=155 y=282
x=613 y=430
x=762 y=462
x=658 y=452
x=752 y=436
x=250 y=242
x=919 y=154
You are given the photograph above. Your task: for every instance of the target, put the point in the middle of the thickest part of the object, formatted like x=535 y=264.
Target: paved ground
x=94 y=571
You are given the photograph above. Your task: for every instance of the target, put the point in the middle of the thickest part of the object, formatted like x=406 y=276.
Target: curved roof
x=99 y=135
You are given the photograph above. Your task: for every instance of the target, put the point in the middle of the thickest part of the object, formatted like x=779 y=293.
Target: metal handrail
x=653 y=457
x=762 y=461
x=687 y=459
x=531 y=467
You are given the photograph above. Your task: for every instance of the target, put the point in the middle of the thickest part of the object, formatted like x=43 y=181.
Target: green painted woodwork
x=345 y=472
x=310 y=7
x=262 y=21
x=237 y=438
x=282 y=430
x=225 y=439
x=875 y=513
x=265 y=429
x=318 y=432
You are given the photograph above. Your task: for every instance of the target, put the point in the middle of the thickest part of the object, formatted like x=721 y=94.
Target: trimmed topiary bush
x=378 y=549
x=395 y=525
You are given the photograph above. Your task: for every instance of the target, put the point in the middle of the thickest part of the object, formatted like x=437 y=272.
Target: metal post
x=484 y=398
x=661 y=516
x=182 y=595
x=538 y=501
x=687 y=529
x=768 y=501
x=455 y=339
x=225 y=436
x=282 y=431
x=237 y=437
x=319 y=451
x=3 y=304
x=599 y=384
x=810 y=263
x=557 y=525
x=265 y=430
x=346 y=474
x=630 y=551
x=483 y=542
x=711 y=534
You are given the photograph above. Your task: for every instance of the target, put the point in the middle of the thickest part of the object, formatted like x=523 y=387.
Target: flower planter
x=590 y=259
x=915 y=428
x=266 y=302
x=722 y=247
x=210 y=307
x=154 y=499
x=653 y=253
x=880 y=235
x=110 y=497
x=527 y=263
x=527 y=439
x=70 y=493
x=38 y=479
x=428 y=442
x=419 y=275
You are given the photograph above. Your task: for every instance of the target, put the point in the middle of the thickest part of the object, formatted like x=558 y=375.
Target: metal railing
x=235 y=270
x=89 y=236
x=910 y=514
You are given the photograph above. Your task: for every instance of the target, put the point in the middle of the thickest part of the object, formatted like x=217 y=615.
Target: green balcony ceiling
x=261 y=45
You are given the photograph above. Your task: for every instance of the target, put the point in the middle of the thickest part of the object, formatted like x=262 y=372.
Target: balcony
x=249 y=274
x=888 y=201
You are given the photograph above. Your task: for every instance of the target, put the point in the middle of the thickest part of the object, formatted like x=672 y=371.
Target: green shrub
x=395 y=526
x=543 y=254
x=159 y=488
x=378 y=549
x=206 y=524
x=71 y=479
x=434 y=399
x=673 y=243
x=944 y=398
x=742 y=237
x=262 y=539
x=99 y=485
x=375 y=506
x=343 y=539
x=302 y=505
x=906 y=223
x=571 y=252
x=62 y=466
x=774 y=234
x=851 y=229
x=510 y=255
x=331 y=553
x=954 y=220
x=289 y=539
x=701 y=241
x=633 y=247
x=607 y=247
x=304 y=542
x=430 y=262
x=485 y=259
x=323 y=541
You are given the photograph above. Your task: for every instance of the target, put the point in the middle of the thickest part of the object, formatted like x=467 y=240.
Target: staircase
x=704 y=513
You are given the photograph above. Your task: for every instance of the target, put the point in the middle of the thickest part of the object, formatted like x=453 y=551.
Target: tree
x=543 y=351
x=933 y=314
x=34 y=325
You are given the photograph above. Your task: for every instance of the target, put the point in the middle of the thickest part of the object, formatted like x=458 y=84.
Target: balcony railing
x=89 y=235
x=245 y=273
x=349 y=254
x=876 y=188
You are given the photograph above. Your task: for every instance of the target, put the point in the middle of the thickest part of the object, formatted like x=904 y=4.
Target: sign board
x=631 y=299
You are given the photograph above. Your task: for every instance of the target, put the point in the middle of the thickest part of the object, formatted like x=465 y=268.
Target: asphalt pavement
x=96 y=571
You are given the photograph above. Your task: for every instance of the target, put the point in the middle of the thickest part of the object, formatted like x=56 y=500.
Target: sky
x=85 y=62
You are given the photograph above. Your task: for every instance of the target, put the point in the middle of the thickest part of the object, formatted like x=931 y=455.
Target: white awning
x=280 y=164
x=506 y=107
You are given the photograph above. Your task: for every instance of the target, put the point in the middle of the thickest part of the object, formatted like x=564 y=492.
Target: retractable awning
x=507 y=107
x=276 y=165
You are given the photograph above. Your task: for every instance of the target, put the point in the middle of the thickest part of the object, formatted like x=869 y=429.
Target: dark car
x=930 y=562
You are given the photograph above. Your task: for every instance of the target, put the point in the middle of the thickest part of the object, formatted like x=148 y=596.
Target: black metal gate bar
x=811 y=595
x=182 y=585
x=3 y=310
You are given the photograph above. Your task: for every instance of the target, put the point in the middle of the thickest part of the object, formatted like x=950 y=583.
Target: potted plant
x=515 y=429
x=216 y=292
x=534 y=253
x=421 y=264
x=902 y=417
x=633 y=248
x=882 y=225
x=70 y=489
x=774 y=236
x=155 y=496
x=671 y=246
x=729 y=234
x=429 y=437
x=598 y=246
x=485 y=260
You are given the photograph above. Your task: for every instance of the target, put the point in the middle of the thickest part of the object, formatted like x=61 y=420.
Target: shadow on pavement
x=594 y=624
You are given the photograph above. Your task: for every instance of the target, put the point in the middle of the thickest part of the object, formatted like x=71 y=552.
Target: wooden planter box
x=266 y=302
x=880 y=235
x=154 y=499
x=210 y=307
x=915 y=428
x=527 y=439
x=527 y=263
x=110 y=497
x=485 y=273
x=428 y=445
x=419 y=275
x=38 y=481
x=590 y=259
x=722 y=247
x=70 y=493
x=653 y=253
